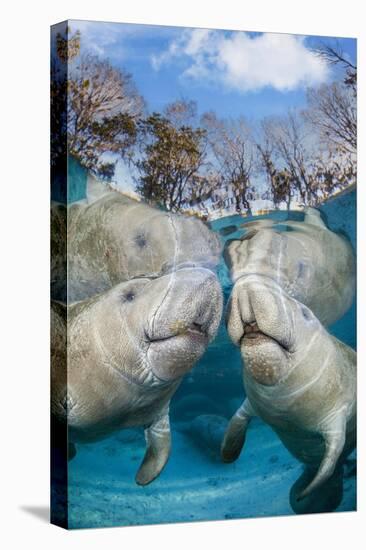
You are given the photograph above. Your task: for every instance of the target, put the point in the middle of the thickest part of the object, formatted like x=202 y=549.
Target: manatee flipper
x=158 y=442
x=334 y=435
x=234 y=437
x=324 y=499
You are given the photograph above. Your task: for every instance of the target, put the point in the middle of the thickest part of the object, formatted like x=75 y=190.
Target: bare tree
x=332 y=109
x=279 y=188
x=232 y=150
x=181 y=112
x=330 y=172
x=103 y=107
x=95 y=107
x=297 y=162
x=334 y=55
x=290 y=143
x=279 y=182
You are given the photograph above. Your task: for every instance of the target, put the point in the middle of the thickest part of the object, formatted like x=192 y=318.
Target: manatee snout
x=259 y=320
x=184 y=321
x=259 y=307
x=128 y=348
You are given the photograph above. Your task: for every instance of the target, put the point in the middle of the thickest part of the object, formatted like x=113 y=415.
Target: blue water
x=195 y=485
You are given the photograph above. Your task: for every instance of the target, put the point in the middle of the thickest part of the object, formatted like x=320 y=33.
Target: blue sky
x=234 y=73
x=231 y=72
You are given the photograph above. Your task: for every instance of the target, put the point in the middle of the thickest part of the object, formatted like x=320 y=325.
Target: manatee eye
x=128 y=296
x=140 y=240
x=306 y=314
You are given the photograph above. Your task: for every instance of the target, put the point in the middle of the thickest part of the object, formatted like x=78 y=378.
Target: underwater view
x=203 y=274
x=196 y=485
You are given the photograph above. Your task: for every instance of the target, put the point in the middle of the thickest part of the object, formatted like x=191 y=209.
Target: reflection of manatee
x=301 y=381
x=311 y=263
x=128 y=349
x=116 y=239
x=207 y=431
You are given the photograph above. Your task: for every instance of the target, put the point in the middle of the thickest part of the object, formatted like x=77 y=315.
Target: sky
x=234 y=73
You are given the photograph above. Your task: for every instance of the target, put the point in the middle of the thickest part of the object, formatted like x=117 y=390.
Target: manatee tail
x=322 y=499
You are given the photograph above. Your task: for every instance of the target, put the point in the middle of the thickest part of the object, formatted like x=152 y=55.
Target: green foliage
x=181 y=163
x=103 y=108
x=68 y=47
x=94 y=108
x=170 y=160
x=106 y=171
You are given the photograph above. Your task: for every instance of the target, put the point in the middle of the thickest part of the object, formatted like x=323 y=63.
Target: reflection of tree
x=170 y=159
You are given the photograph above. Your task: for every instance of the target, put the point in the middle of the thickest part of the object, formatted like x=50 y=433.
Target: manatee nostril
x=251 y=329
x=198 y=327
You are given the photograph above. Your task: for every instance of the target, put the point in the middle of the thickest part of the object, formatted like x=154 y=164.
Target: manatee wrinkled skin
x=298 y=378
x=115 y=239
x=311 y=263
x=142 y=305
x=128 y=349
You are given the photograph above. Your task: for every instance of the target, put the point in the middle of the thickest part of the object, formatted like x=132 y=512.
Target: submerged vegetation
x=181 y=161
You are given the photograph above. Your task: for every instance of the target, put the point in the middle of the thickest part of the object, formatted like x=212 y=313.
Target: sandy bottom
x=194 y=486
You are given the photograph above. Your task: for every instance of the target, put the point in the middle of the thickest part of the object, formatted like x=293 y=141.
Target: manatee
x=58 y=252
x=311 y=263
x=298 y=379
x=163 y=262
x=113 y=238
x=127 y=351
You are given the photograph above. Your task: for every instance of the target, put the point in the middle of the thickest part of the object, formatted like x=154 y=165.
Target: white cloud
x=98 y=37
x=244 y=62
